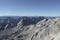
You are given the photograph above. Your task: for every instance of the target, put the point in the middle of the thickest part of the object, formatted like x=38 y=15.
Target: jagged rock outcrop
x=8 y=22
x=45 y=29
x=8 y=34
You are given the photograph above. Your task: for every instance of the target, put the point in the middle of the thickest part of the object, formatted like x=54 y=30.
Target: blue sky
x=29 y=7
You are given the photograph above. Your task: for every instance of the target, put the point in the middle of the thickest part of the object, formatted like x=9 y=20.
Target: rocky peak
x=31 y=28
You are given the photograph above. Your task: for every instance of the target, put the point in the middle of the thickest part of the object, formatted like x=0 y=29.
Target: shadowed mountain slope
x=32 y=28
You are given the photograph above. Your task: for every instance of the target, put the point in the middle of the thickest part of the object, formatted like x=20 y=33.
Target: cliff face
x=47 y=29
x=10 y=22
x=27 y=29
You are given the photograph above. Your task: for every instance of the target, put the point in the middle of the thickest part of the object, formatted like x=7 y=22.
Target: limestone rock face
x=46 y=29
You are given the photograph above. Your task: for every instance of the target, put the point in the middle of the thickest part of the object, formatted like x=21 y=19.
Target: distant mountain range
x=12 y=21
x=29 y=28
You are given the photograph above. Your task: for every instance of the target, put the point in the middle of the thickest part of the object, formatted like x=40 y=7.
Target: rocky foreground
x=46 y=29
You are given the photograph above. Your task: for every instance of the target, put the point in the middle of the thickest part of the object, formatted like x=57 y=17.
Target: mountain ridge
x=33 y=28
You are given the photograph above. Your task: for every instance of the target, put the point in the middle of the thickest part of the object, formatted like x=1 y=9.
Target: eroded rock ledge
x=46 y=29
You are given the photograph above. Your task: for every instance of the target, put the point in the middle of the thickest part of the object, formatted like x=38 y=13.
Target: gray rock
x=46 y=29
